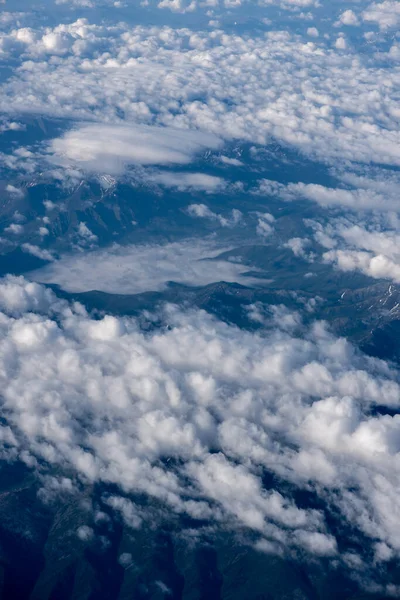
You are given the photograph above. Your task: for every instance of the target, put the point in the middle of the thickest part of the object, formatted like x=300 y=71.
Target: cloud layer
x=110 y=149
x=104 y=401
x=275 y=85
x=141 y=268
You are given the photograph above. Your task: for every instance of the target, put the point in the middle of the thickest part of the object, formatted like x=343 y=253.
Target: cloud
x=102 y=400
x=290 y=4
x=13 y=191
x=312 y=32
x=234 y=162
x=7 y=125
x=369 y=194
x=201 y=211
x=78 y=3
x=18 y=296
x=371 y=248
x=298 y=246
x=292 y=91
x=341 y=43
x=14 y=228
x=275 y=316
x=85 y=234
x=184 y=181
x=141 y=268
x=181 y=6
x=110 y=148
x=85 y=533
x=348 y=17
x=377 y=266
x=189 y=6
x=385 y=14
x=265 y=224
x=38 y=252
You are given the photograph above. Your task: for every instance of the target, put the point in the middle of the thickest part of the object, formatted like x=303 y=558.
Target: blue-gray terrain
x=199 y=300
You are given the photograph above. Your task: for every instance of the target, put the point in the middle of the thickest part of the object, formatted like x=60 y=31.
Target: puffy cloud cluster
x=367 y=237
x=79 y=3
x=348 y=17
x=274 y=85
x=386 y=14
x=7 y=125
x=373 y=252
x=201 y=211
x=353 y=244
x=357 y=193
x=218 y=7
x=299 y=247
x=265 y=224
x=195 y=412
